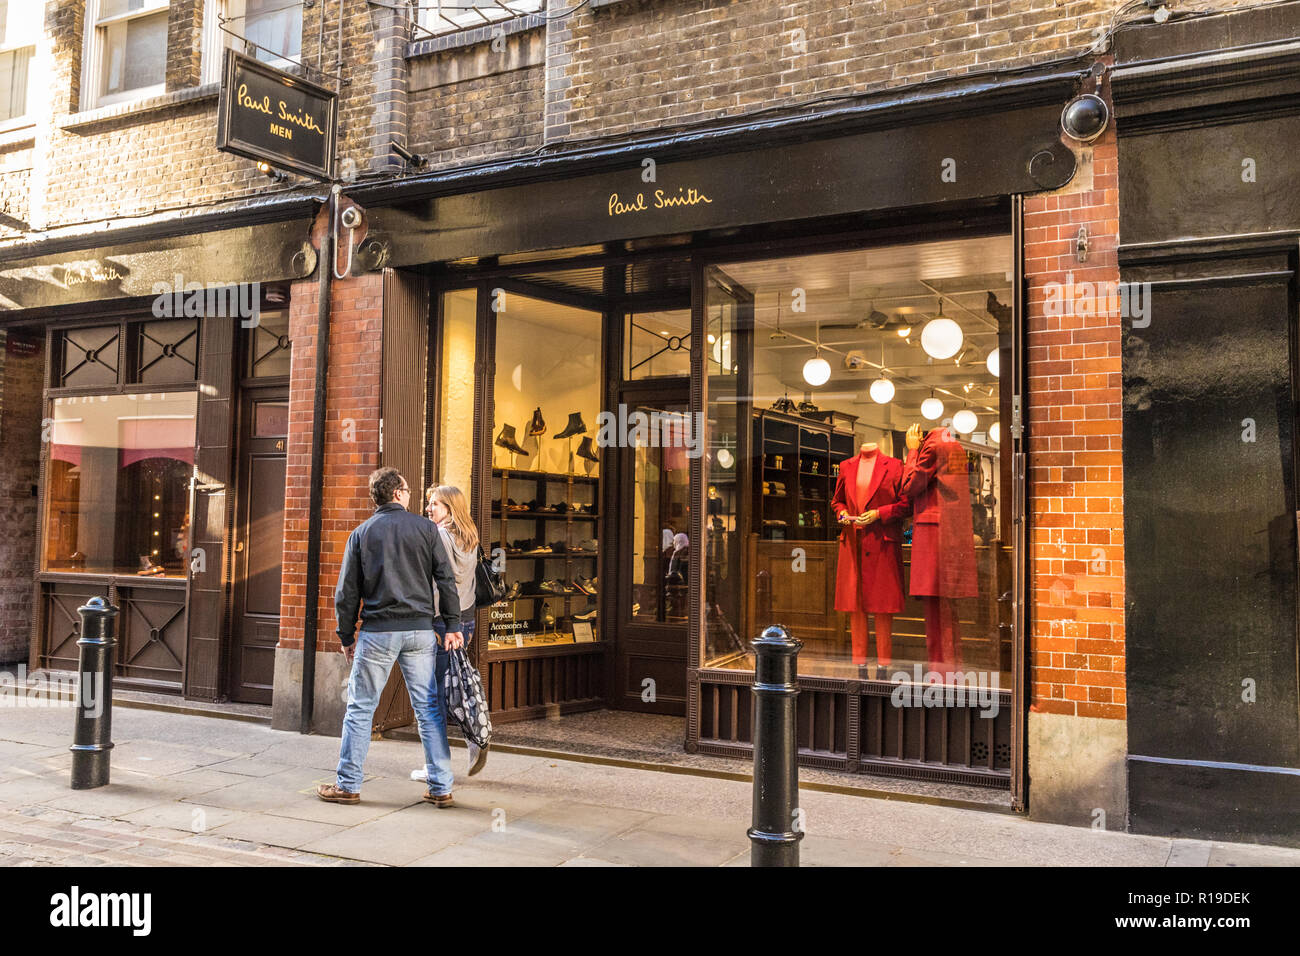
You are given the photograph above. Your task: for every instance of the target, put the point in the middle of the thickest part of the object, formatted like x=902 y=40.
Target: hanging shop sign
x=275 y=117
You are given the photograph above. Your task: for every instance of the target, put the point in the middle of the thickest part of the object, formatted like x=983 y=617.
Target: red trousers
x=884 y=637
x=942 y=634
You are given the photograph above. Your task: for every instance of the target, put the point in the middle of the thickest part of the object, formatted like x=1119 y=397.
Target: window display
x=857 y=401
x=118 y=483
x=546 y=472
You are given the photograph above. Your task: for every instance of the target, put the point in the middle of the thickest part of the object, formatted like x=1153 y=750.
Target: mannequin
x=869 y=504
x=936 y=481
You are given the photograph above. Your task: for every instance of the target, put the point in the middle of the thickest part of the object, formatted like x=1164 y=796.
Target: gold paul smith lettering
x=684 y=197
x=80 y=276
x=297 y=118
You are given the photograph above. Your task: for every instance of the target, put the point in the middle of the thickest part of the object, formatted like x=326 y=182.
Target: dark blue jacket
x=391 y=565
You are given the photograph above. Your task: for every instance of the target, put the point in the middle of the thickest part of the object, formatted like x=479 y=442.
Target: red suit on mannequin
x=936 y=480
x=869 y=574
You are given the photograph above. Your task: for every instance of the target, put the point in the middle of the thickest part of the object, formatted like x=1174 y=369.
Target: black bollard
x=92 y=742
x=774 y=837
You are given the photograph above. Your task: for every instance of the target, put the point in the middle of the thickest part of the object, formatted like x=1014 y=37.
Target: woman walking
x=446 y=507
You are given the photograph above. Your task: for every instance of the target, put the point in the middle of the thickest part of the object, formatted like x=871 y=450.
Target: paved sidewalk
x=200 y=791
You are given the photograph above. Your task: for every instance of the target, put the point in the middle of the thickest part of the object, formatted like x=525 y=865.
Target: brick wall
x=20 y=441
x=1076 y=532
x=352 y=407
x=479 y=118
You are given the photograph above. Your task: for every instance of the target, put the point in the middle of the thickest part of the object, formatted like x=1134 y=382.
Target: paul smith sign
x=274 y=117
x=620 y=205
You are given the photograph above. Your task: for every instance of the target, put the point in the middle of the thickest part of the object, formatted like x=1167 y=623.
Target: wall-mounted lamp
x=414 y=160
x=277 y=175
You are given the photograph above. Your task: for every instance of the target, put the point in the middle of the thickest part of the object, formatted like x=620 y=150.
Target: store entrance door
x=655 y=552
x=259 y=543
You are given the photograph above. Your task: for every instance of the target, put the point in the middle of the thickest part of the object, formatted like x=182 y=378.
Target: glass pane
x=269 y=351
x=113 y=8
x=13 y=82
x=270 y=419
x=456 y=426
x=275 y=26
x=661 y=552
x=135 y=54
x=871 y=454
x=89 y=356
x=167 y=352
x=117 y=496
x=545 y=475
x=658 y=343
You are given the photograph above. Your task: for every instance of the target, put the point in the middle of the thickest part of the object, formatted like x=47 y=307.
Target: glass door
x=655 y=526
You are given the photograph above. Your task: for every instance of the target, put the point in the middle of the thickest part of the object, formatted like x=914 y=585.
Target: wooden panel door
x=259 y=543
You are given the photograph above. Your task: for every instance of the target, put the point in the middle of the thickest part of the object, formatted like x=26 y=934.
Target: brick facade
x=1076 y=531
x=20 y=442
x=351 y=440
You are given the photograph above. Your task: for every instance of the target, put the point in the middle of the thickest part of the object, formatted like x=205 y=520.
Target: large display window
x=117 y=490
x=545 y=472
x=855 y=402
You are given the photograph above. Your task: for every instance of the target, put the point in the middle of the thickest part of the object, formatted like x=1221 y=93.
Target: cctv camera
x=1085 y=117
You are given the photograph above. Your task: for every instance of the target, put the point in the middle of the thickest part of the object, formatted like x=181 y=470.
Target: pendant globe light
x=965 y=421
x=882 y=389
x=941 y=337
x=995 y=433
x=932 y=408
x=817 y=371
x=994 y=363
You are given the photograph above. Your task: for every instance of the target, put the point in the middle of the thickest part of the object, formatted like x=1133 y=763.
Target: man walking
x=392 y=562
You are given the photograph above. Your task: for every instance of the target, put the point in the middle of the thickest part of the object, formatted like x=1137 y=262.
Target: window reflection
x=117 y=494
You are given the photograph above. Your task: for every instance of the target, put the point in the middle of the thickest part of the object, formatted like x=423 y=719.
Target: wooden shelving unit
x=796 y=462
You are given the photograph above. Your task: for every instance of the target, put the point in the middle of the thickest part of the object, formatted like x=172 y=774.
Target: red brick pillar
x=352 y=406
x=1077 y=730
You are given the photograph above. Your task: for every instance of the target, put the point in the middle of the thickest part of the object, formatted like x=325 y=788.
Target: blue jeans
x=414 y=653
x=467 y=624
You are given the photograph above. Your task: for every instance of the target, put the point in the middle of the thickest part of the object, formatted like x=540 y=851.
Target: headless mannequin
x=868 y=456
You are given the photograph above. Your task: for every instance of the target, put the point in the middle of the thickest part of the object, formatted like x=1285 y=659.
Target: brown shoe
x=440 y=800
x=332 y=794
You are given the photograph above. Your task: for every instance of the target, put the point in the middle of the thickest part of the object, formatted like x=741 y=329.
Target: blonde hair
x=462 y=530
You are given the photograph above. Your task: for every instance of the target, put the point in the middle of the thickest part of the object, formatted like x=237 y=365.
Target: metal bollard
x=92 y=741
x=774 y=837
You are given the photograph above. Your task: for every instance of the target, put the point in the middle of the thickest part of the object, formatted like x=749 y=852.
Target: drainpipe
x=315 y=502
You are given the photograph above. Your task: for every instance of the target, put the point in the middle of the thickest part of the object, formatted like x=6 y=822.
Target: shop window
x=166 y=351
x=855 y=398
x=546 y=471
x=117 y=489
x=269 y=350
x=20 y=27
x=439 y=16
x=126 y=42
x=88 y=356
x=455 y=427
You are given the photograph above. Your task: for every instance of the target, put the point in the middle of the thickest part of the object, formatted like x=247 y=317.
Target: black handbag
x=489 y=583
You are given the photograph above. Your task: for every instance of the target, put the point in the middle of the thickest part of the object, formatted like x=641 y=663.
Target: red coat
x=869 y=573
x=937 y=481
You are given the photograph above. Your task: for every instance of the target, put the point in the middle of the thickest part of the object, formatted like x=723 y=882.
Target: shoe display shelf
x=523 y=504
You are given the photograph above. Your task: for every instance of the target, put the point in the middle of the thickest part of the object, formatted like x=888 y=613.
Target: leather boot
x=507 y=440
x=576 y=426
x=538 y=425
x=585 y=450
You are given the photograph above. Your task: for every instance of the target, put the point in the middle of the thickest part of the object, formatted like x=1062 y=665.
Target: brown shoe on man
x=332 y=794
x=440 y=800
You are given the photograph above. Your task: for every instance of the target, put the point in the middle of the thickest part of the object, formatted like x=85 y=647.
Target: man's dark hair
x=384 y=484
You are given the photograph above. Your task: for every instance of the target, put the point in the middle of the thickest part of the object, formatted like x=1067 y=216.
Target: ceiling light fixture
x=995 y=433
x=941 y=337
x=965 y=421
x=817 y=371
x=932 y=408
x=882 y=389
x=994 y=363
